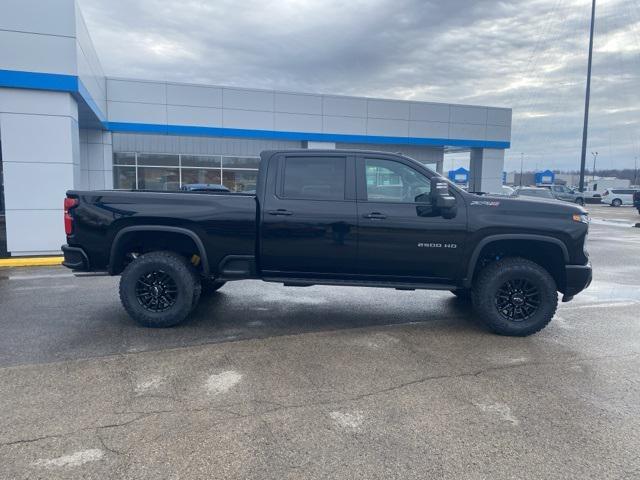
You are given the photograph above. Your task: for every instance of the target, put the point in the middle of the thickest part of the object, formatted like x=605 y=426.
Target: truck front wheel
x=515 y=296
x=158 y=289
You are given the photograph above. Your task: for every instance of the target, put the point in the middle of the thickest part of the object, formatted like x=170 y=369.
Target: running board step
x=306 y=282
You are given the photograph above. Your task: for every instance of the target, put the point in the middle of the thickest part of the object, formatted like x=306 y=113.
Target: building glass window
x=240 y=162
x=124 y=178
x=155 y=178
x=158 y=160
x=205 y=161
x=156 y=171
x=240 y=180
x=124 y=158
x=200 y=175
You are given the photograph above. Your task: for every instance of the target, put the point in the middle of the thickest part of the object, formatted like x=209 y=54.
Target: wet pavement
x=625 y=213
x=319 y=382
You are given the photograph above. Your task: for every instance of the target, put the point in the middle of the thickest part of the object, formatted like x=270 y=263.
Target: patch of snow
x=348 y=420
x=222 y=382
x=73 y=460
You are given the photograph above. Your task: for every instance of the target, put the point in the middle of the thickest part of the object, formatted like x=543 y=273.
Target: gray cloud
x=528 y=55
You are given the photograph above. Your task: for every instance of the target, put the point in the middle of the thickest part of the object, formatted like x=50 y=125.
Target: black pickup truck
x=336 y=217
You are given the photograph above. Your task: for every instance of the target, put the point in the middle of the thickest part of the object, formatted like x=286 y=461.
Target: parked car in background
x=595 y=188
x=534 y=192
x=618 y=197
x=636 y=200
x=562 y=192
x=204 y=187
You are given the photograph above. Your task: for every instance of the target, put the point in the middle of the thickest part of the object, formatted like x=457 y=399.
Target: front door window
x=389 y=181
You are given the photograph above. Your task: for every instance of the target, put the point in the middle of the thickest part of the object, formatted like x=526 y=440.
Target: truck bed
x=226 y=223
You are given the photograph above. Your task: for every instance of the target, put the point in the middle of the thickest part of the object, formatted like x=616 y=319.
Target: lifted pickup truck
x=337 y=217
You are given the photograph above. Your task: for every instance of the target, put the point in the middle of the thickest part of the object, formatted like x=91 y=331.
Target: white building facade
x=65 y=125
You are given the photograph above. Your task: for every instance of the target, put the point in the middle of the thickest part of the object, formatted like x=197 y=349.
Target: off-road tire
x=495 y=276
x=184 y=279
x=210 y=286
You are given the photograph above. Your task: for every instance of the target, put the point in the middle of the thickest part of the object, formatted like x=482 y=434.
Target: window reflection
x=240 y=180
x=156 y=171
x=200 y=175
x=124 y=178
x=150 y=178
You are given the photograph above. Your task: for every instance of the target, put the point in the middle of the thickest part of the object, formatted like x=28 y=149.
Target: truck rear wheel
x=158 y=289
x=515 y=296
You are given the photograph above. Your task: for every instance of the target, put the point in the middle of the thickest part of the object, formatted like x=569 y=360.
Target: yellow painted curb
x=30 y=261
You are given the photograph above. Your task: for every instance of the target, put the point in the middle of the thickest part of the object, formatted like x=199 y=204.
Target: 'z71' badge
x=437 y=245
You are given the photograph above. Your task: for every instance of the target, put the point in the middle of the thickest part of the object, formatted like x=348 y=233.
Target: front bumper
x=578 y=277
x=75 y=258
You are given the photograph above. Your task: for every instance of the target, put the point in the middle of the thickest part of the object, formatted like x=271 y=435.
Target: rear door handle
x=375 y=216
x=280 y=211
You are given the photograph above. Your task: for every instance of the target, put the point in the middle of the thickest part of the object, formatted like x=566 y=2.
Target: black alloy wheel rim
x=156 y=291
x=517 y=300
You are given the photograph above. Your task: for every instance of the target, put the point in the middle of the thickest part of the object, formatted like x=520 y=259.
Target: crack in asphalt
x=141 y=415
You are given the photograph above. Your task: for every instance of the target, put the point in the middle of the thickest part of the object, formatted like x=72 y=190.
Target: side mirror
x=423 y=198
x=440 y=198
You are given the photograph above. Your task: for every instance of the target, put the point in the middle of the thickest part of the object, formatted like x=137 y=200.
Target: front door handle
x=375 y=216
x=280 y=211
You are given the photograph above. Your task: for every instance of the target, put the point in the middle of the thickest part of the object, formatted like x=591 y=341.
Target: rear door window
x=314 y=178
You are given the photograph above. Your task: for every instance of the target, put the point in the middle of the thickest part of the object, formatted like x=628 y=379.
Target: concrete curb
x=30 y=261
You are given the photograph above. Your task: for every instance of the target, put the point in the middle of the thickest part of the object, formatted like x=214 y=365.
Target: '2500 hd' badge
x=437 y=245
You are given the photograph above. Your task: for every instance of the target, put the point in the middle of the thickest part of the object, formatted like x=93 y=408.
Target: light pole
x=521 y=166
x=635 y=171
x=593 y=172
x=586 y=100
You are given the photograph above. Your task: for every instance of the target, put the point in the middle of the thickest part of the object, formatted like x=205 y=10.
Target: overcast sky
x=530 y=55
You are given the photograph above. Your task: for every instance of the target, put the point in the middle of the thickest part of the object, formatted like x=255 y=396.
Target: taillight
x=69 y=203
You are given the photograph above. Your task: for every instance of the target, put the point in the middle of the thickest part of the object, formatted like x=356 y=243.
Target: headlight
x=581 y=217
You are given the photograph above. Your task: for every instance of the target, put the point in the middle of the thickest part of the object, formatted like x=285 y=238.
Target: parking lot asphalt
x=319 y=382
x=624 y=213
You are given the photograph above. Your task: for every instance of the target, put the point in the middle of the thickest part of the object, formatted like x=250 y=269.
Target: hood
x=528 y=204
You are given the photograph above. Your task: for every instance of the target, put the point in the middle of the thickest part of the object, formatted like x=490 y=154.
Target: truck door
x=309 y=219
x=402 y=236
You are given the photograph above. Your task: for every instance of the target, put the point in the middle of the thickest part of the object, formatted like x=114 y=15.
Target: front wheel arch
x=555 y=254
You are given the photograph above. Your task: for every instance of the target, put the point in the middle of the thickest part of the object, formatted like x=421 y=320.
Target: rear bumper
x=75 y=258
x=578 y=277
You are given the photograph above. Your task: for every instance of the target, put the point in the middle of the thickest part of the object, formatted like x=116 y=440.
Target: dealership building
x=65 y=124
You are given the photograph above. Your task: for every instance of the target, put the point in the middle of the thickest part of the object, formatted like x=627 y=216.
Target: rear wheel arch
x=550 y=253
x=186 y=240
